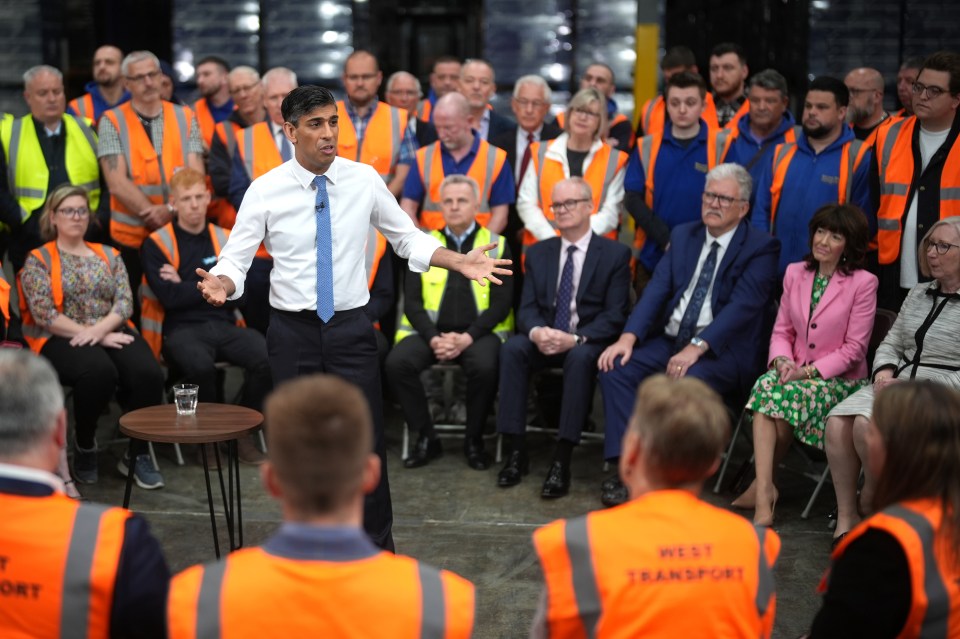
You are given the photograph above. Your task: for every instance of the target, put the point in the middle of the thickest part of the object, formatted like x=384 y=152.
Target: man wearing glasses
x=142 y=143
x=826 y=164
x=700 y=315
x=917 y=175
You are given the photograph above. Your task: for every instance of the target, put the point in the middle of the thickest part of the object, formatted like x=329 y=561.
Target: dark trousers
x=619 y=386
x=413 y=355
x=256 y=286
x=95 y=372
x=194 y=349
x=300 y=344
x=131 y=260
x=520 y=357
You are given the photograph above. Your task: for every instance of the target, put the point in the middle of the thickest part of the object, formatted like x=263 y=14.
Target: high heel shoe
x=773 y=505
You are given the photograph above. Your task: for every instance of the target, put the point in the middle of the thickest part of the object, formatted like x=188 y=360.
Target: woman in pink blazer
x=818 y=348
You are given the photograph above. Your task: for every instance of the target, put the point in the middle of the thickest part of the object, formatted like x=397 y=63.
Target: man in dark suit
x=702 y=312
x=478 y=85
x=530 y=104
x=574 y=304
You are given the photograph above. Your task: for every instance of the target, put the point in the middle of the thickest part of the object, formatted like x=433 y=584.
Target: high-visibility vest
x=719 y=142
x=49 y=254
x=259 y=154
x=253 y=594
x=201 y=108
x=653 y=115
x=27 y=172
x=4 y=296
x=381 y=139
x=696 y=571
x=220 y=210
x=425 y=110
x=62 y=557
x=850 y=158
x=151 y=310
x=434 y=283
x=896 y=165
x=149 y=170
x=934 y=577
x=375 y=249
x=606 y=163
x=83 y=106
x=486 y=167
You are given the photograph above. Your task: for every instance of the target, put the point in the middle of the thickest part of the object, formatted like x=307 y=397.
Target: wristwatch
x=699 y=343
x=581 y=340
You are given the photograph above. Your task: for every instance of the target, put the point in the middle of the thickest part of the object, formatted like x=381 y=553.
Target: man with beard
x=215 y=104
x=826 y=164
x=865 y=112
x=106 y=90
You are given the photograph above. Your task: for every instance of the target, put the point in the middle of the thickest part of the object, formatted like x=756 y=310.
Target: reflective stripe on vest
x=151 y=310
x=766 y=588
x=486 y=167
x=27 y=172
x=205 y=121
x=433 y=606
x=208 y=603
x=896 y=168
x=603 y=166
x=227 y=132
x=435 y=287
x=83 y=106
x=258 y=150
x=374 y=150
x=149 y=170
x=424 y=111
x=49 y=255
x=77 y=592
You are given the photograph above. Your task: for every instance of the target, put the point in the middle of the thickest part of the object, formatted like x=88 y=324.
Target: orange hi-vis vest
x=252 y=594
x=896 y=165
x=151 y=310
x=694 y=571
x=60 y=565
x=606 y=163
x=374 y=251
x=653 y=115
x=220 y=210
x=259 y=154
x=934 y=577
x=381 y=139
x=485 y=168
x=149 y=170
x=49 y=255
x=83 y=107
x=4 y=296
x=850 y=158
x=425 y=110
x=719 y=142
x=205 y=120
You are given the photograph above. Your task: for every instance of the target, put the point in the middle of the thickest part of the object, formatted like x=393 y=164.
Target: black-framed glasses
x=942 y=247
x=567 y=205
x=75 y=213
x=153 y=75
x=725 y=201
x=932 y=92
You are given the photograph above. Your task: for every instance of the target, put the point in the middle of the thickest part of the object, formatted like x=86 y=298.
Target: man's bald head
x=451 y=117
x=866 y=96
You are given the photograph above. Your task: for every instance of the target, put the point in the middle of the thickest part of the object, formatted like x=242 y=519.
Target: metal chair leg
x=727 y=455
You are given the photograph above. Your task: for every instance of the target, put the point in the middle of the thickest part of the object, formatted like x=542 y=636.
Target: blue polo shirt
x=745 y=148
x=812 y=180
x=679 y=175
x=502 y=189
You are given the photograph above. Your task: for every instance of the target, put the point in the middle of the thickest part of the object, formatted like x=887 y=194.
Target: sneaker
x=85 y=464
x=146 y=476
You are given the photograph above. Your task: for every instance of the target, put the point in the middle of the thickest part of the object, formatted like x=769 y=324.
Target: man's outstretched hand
x=212 y=288
x=479 y=266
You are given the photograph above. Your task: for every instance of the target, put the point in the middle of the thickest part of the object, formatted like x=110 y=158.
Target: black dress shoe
x=517 y=466
x=613 y=493
x=477 y=457
x=557 y=483
x=610 y=482
x=423 y=451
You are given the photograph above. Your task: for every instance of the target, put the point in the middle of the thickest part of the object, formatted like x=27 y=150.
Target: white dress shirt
x=706 y=311
x=578 y=258
x=528 y=196
x=35 y=475
x=279 y=209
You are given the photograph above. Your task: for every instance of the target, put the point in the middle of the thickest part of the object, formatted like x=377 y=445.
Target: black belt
x=311 y=313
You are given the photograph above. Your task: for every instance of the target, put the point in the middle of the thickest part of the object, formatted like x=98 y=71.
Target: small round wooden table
x=213 y=423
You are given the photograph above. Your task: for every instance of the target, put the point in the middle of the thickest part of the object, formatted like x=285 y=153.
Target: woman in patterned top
x=817 y=350
x=76 y=303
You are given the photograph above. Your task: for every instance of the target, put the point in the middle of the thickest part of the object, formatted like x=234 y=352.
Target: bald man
x=865 y=112
x=106 y=90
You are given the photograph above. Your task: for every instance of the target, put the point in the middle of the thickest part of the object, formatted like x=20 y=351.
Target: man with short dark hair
x=106 y=90
x=69 y=568
x=906 y=76
x=667 y=563
x=215 y=104
x=444 y=79
x=653 y=113
x=728 y=76
x=319 y=575
x=478 y=83
x=826 y=164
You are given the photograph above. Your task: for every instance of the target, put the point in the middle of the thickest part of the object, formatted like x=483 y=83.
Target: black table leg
x=227 y=502
x=206 y=477
x=235 y=455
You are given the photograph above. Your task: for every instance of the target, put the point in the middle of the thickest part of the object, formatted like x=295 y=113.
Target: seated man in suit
x=701 y=313
x=448 y=318
x=575 y=299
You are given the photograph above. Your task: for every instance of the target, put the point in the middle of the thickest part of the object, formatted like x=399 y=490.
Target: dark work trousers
x=131 y=260
x=520 y=357
x=194 y=349
x=95 y=372
x=413 y=355
x=256 y=295
x=300 y=344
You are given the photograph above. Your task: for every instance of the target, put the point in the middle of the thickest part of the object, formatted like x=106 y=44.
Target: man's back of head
x=31 y=410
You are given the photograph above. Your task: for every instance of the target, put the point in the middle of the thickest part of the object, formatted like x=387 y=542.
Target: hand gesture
x=477 y=265
x=211 y=288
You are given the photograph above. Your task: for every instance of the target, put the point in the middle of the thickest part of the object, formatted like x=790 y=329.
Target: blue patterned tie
x=688 y=325
x=324 y=252
x=561 y=321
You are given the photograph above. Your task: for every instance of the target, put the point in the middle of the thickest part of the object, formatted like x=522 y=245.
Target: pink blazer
x=835 y=339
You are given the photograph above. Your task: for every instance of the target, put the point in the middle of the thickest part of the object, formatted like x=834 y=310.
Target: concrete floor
x=457 y=518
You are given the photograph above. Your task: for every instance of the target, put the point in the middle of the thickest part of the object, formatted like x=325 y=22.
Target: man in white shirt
x=313 y=213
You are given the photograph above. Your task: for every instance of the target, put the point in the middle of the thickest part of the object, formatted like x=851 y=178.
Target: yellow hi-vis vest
x=435 y=283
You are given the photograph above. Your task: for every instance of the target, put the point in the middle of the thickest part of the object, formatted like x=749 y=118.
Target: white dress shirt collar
x=35 y=475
